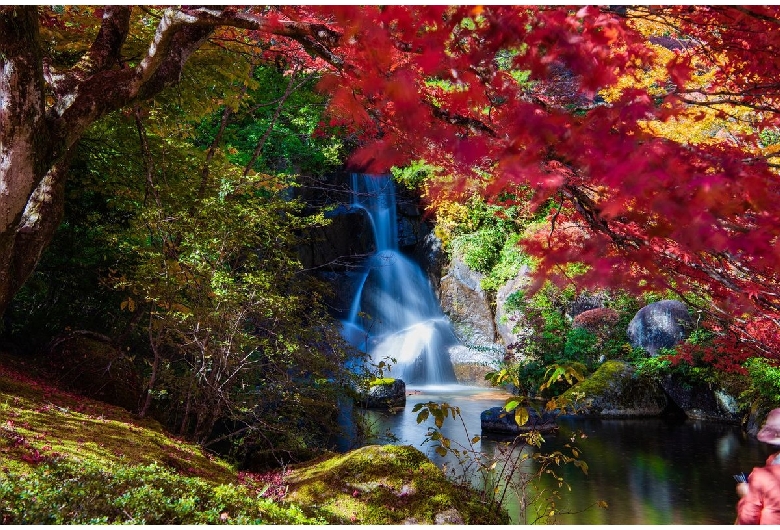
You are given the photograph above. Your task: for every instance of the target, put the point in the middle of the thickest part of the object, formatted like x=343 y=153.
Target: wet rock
x=701 y=401
x=615 y=391
x=659 y=325
x=429 y=254
x=467 y=304
x=341 y=244
x=499 y=421
x=387 y=394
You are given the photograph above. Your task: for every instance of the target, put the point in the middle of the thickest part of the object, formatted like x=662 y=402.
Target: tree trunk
x=45 y=111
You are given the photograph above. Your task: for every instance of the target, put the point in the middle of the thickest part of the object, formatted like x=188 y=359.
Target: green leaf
x=511 y=404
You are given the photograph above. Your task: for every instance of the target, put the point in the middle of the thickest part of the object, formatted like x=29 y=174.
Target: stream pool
x=648 y=471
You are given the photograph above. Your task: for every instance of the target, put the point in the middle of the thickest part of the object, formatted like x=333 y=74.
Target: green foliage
x=764 y=384
x=414 y=175
x=190 y=268
x=291 y=140
x=71 y=492
x=510 y=262
x=481 y=249
x=668 y=363
x=514 y=469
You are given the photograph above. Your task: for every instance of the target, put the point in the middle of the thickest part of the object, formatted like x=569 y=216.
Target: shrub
x=69 y=492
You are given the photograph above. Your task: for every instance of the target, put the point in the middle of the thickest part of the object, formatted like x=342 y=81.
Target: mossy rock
x=614 y=390
x=383 y=393
x=385 y=484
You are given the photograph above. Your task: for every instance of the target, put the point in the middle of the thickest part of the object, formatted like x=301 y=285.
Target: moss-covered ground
x=386 y=485
x=65 y=459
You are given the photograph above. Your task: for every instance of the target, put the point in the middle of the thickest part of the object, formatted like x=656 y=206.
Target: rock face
x=467 y=304
x=507 y=318
x=659 y=325
x=348 y=237
x=701 y=401
x=497 y=420
x=585 y=301
x=386 y=395
x=429 y=254
x=614 y=391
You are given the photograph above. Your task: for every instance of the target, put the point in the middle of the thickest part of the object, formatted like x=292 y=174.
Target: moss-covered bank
x=386 y=485
x=65 y=459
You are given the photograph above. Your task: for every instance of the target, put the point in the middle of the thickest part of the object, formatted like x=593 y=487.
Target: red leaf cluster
x=642 y=212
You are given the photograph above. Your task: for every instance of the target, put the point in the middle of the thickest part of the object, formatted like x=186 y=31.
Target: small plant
x=516 y=468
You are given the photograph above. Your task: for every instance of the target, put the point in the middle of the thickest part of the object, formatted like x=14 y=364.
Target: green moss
x=382 y=381
x=602 y=380
x=384 y=485
x=65 y=459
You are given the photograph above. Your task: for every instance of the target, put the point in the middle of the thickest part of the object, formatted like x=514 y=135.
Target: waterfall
x=394 y=313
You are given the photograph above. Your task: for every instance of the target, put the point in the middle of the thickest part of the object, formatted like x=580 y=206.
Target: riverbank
x=66 y=459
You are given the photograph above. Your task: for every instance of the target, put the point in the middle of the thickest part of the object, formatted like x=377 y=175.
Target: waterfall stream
x=395 y=316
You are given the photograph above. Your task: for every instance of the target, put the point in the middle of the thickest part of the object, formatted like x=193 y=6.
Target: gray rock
x=700 y=401
x=659 y=325
x=499 y=421
x=467 y=305
x=429 y=254
x=384 y=396
x=614 y=391
x=507 y=320
x=341 y=244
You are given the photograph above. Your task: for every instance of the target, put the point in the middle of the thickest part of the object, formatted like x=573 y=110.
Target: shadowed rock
x=659 y=325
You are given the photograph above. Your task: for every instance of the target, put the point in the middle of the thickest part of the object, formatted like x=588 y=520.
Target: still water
x=648 y=471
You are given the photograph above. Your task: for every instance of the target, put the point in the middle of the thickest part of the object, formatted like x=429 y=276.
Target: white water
x=394 y=316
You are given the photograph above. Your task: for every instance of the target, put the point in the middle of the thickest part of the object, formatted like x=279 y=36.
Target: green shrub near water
x=81 y=492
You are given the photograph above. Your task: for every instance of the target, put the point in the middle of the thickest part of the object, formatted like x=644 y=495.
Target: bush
x=481 y=249
x=68 y=492
x=764 y=383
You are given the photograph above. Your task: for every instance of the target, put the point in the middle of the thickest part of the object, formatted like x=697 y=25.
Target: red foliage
x=596 y=320
x=652 y=213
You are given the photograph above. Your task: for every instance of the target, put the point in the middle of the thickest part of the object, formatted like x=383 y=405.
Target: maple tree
x=495 y=96
x=639 y=207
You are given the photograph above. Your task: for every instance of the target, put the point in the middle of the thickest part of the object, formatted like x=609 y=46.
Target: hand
x=742 y=489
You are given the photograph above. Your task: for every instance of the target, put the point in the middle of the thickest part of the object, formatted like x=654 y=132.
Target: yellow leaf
x=521 y=416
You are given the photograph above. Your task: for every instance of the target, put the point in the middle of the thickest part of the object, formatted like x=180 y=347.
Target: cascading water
x=394 y=313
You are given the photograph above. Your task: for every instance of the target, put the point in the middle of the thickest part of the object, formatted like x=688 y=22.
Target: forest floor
x=67 y=459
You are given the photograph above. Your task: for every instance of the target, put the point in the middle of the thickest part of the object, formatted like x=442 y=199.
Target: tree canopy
x=582 y=107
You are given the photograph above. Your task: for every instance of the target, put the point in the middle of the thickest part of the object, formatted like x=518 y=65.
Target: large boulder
x=659 y=325
x=615 y=391
x=498 y=421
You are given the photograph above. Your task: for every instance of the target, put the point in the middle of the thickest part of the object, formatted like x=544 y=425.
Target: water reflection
x=649 y=471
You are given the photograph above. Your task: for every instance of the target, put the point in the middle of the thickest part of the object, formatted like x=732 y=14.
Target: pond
x=648 y=471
